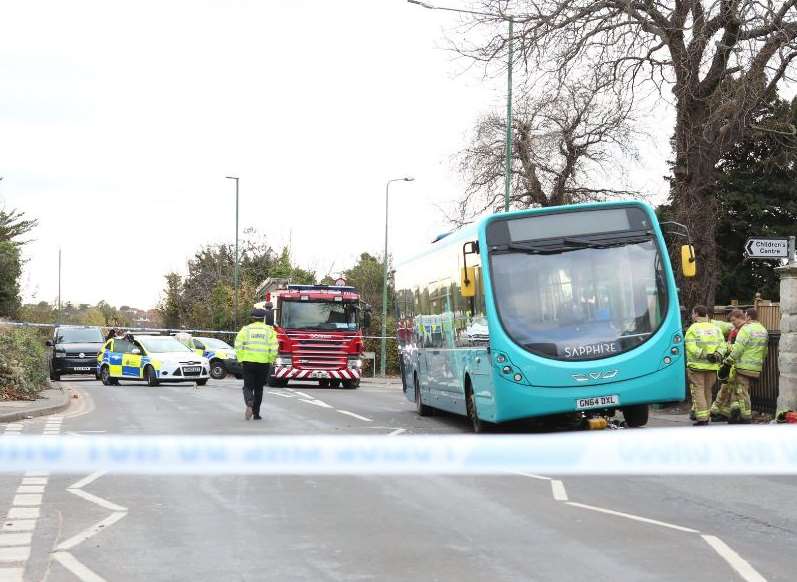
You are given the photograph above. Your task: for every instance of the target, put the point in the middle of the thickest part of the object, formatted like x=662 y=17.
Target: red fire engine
x=319 y=328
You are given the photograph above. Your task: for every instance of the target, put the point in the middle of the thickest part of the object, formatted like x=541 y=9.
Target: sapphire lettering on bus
x=602 y=349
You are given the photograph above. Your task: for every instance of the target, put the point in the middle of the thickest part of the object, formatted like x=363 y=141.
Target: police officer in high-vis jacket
x=705 y=348
x=256 y=348
x=747 y=360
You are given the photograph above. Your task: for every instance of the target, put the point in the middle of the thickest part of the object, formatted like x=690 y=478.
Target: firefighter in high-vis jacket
x=746 y=361
x=256 y=348
x=721 y=407
x=705 y=348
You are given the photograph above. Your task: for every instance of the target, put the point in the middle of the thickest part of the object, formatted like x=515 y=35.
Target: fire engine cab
x=319 y=328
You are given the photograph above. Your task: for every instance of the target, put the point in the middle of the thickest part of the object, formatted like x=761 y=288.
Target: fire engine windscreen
x=319 y=315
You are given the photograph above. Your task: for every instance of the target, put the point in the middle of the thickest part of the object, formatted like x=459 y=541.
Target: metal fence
x=764 y=391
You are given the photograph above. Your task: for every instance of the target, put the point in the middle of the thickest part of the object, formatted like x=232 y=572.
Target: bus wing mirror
x=366 y=319
x=688 y=261
x=468 y=281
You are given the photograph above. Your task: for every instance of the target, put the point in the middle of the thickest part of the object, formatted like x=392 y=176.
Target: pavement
x=98 y=527
x=50 y=401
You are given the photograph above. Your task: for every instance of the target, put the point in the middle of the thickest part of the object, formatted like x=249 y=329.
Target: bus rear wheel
x=420 y=407
x=636 y=416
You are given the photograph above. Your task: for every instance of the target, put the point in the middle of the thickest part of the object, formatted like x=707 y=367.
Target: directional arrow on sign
x=767 y=248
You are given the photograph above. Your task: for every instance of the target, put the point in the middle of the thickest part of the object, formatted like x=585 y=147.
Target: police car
x=220 y=354
x=153 y=358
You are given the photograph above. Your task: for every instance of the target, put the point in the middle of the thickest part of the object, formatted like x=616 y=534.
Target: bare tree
x=722 y=59
x=563 y=139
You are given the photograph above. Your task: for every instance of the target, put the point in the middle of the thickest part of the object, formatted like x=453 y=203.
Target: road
x=97 y=527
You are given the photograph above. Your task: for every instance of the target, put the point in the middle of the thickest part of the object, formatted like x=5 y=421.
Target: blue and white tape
x=718 y=450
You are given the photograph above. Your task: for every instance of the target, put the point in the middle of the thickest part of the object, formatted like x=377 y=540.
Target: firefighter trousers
x=701 y=384
x=741 y=395
x=722 y=403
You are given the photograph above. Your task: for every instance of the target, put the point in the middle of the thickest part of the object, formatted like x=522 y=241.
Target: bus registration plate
x=598 y=402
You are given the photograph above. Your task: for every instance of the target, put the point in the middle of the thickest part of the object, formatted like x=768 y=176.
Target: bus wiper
x=605 y=243
x=527 y=248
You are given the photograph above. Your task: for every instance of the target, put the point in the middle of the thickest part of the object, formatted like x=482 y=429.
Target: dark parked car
x=74 y=351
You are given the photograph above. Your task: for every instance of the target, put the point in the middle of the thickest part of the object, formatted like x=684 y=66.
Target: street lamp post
x=382 y=362
x=508 y=144
x=235 y=304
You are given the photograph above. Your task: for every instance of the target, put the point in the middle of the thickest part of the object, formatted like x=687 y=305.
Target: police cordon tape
x=152 y=329
x=729 y=450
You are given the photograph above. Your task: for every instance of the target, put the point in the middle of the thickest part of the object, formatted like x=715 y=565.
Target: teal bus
x=571 y=309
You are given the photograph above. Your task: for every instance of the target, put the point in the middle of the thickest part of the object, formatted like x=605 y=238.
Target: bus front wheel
x=636 y=416
x=470 y=403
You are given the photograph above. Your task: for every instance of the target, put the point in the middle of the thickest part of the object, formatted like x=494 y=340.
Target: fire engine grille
x=319 y=354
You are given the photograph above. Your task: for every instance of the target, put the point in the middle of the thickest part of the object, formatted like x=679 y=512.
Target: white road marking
x=34 y=480
x=15 y=539
x=37 y=474
x=23 y=513
x=20 y=525
x=558 y=490
x=98 y=500
x=72 y=564
x=347 y=413
x=634 y=517
x=29 y=499
x=91 y=531
x=86 y=480
x=533 y=476
x=15 y=554
x=397 y=431
x=302 y=394
x=742 y=567
x=280 y=394
x=320 y=403
x=11 y=574
x=30 y=489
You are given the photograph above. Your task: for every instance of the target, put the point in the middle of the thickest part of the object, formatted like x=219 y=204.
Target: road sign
x=767 y=248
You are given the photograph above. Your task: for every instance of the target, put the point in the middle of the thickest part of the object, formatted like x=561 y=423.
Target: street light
x=382 y=363
x=508 y=144
x=235 y=304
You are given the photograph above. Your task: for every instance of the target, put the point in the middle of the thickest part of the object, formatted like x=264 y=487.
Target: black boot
x=700 y=423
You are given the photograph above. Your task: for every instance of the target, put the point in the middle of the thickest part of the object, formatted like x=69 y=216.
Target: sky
x=119 y=123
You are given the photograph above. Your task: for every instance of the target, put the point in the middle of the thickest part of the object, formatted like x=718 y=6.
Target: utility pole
x=235 y=303
x=508 y=145
x=383 y=354
x=59 y=285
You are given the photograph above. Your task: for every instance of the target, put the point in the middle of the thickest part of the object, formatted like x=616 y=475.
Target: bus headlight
x=355 y=363
x=284 y=361
x=667 y=360
x=507 y=370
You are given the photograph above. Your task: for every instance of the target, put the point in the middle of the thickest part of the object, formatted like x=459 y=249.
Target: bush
x=23 y=364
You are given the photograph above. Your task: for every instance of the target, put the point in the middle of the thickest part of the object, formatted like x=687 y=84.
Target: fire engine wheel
x=324 y=383
x=277 y=382
x=334 y=383
x=217 y=370
x=351 y=384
